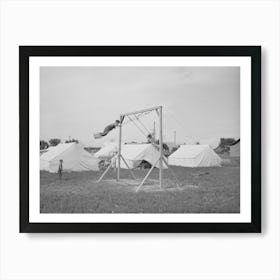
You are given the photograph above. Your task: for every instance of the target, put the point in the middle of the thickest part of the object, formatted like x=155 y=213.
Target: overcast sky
x=199 y=103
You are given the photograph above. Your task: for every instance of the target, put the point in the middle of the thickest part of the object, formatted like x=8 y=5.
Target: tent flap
x=134 y=154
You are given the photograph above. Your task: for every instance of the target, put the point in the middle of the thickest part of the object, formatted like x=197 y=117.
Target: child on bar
x=107 y=129
x=151 y=139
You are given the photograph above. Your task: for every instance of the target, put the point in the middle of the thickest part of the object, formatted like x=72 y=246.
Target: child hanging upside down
x=107 y=129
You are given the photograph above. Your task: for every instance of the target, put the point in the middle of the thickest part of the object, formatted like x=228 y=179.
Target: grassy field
x=201 y=190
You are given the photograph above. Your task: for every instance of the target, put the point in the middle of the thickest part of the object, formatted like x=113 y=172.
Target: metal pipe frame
x=106 y=171
x=141 y=111
x=147 y=175
x=158 y=110
x=130 y=171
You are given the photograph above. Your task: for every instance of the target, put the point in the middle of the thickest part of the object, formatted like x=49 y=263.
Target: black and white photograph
x=140 y=139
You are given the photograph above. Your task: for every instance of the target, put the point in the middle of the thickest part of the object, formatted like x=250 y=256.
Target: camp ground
x=138 y=177
x=139 y=140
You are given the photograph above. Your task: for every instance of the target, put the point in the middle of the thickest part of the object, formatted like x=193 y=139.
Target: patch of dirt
x=150 y=185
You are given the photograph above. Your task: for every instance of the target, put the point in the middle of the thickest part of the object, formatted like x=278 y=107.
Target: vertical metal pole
x=119 y=149
x=160 y=146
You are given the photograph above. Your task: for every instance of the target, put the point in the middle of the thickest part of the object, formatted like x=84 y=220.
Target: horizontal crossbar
x=141 y=111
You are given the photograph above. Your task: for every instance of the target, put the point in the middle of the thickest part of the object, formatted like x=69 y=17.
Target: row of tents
x=76 y=158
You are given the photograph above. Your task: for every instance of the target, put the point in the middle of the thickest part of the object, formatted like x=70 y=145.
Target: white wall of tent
x=76 y=158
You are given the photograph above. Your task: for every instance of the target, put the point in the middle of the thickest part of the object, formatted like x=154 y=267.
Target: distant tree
x=197 y=143
x=224 y=145
x=43 y=145
x=72 y=140
x=225 y=142
x=54 y=141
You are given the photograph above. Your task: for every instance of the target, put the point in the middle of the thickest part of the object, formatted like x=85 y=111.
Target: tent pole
x=119 y=148
x=160 y=146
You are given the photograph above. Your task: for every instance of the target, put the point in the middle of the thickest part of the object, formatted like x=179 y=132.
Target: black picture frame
x=25 y=52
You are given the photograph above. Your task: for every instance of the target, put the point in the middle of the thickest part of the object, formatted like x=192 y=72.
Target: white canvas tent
x=134 y=154
x=74 y=157
x=108 y=151
x=194 y=156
